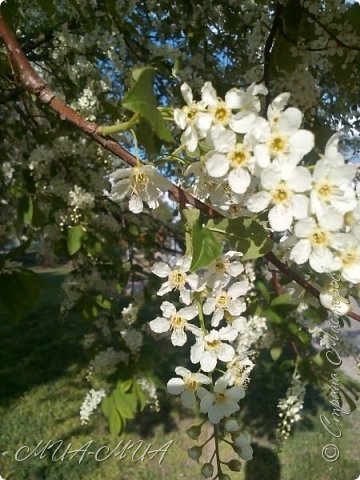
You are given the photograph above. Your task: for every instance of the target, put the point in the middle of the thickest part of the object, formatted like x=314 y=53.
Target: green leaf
x=115 y=422
x=74 y=236
x=249 y=237
x=304 y=337
x=276 y=350
x=148 y=139
x=283 y=299
x=263 y=290
x=26 y=209
x=107 y=405
x=125 y=403
x=205 y=247
x=141 y=99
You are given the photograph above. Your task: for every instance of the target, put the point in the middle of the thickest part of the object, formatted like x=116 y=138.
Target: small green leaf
x=74 y=237
x=249 y=237
x=264 y=291
x=141 y=99
x=276 y=350
x=205 y=247
x=283 y=299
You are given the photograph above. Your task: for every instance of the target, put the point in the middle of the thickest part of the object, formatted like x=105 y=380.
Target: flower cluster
x=291 y=406
x=90 y=404
x=250 y=165
x=214 y=300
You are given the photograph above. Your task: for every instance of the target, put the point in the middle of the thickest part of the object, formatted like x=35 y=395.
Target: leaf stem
x=119 y=127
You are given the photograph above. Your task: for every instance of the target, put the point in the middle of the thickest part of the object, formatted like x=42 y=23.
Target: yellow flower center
x=213 y=344
x=278 y=145
x=177 y=321
x=220 y=266
x=222 y=300
x=348 y=258
x=319 y=238
x=190 y=113
x=221 y=114
x=324 y=190
x=281 y=194
x=220 y=397
x=190 y=384
x=177 y=278
x=239 y=156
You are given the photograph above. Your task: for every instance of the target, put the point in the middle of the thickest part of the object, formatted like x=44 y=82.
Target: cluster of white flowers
x=80 y=198
x=142 y=184
x=91 y=402
x=214 y=300
x=107 y=360
x=291 y=406
x=251 y=165
x=149 y=388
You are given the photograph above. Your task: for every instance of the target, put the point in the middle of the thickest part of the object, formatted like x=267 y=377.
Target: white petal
x=301 y=142
x=208 y=94
x=209 y=306
x=203 y=122
x=208 y=361
x=300 y=205
x=242 y=122
x=270 y=177
x=280 y=218
x=262 y=155
x=216 y=413
x=197 y=350
x=175 y=386
x=303 y=228
x=161 y=269
x=225 y=352
x=259 y=201
x=299 y=180
x=290 y=120
x=206 y=402
x=180 y=118
x=189 y=312
x=135 y=204
x=188 y=398
x=301 y=251
x=186 y=93
x=224 y=140
x=168 y=309
x=238 y=288
x=239 y=180
x=331 y=220
x=159 y=325
x=178 y=337
x=217 y=165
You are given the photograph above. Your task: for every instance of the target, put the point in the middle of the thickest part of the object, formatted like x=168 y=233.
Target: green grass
x=42 y=384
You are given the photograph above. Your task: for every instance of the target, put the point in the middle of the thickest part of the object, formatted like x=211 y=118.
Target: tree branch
x=276 y=26
x=35 y=85
x=331 y=34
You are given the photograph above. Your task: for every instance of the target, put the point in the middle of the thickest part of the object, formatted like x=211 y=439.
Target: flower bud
x=207 y=470
x=195 y=453
x=194 y=431
x=234 y=465
x=231 y=425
